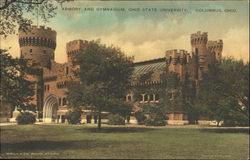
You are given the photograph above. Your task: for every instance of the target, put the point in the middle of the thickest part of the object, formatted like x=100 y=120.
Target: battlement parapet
x=199 y=37
x=215 y=44
x=75 y=45
x=38 y=36
x=48 y=29
x=174 y=53
x=38 y=31
x=177 y=56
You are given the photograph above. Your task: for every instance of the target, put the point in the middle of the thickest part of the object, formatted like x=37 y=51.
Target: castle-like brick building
x=39 y=44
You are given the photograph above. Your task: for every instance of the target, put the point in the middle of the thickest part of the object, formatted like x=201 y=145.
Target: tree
x=189 y=99
x=14 y=13
x=224 y=91
x=170 y=92
x=15 y=89
x=104 y=78
x=74 y=116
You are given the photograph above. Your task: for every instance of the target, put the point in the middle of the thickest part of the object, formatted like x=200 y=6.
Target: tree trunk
x=99 y=119
x=218 y=123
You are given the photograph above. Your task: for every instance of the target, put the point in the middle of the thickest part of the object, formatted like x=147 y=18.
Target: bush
x=151 y=115
x=116 y=119
x=154 y=120
x=140 y=117
x=74 y=117
x=25 y=118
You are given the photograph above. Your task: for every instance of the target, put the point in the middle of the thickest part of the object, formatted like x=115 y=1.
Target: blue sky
x=147 y=35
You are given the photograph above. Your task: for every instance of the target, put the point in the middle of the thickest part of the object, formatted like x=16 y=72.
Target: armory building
x=39 y=44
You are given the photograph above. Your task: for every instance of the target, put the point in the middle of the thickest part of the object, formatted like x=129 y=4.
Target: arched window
x=145 y=97
x=157 y=97
x=60 y=101
x=64 y=101
x=129 y=98
x=151 y=97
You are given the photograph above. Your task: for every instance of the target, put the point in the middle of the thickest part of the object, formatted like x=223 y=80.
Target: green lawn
x=68 y=141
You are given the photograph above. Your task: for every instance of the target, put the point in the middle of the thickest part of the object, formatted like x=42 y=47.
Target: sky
x=147 y=34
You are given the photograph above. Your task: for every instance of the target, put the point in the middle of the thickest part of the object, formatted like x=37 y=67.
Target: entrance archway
x=50 y=109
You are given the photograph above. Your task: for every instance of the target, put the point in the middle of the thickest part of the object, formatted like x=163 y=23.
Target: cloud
x=147 y=35
x=236 y=43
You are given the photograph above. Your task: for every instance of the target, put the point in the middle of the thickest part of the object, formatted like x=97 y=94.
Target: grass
x=86 y=142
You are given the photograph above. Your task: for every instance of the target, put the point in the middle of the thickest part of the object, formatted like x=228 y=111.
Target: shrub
x=140 y=117
x=154 y=120
x=25 y=118
x=151 y=115
x=116 y=119
x=74 y=117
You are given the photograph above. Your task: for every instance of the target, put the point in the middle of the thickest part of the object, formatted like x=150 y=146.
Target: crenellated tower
x=199 y=53
x=73 y=48
x=38 y=45
x=215 y=50
x=199 y=47
x=177 y=61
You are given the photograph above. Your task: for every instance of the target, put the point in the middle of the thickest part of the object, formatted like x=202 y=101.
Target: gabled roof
x=150 y=65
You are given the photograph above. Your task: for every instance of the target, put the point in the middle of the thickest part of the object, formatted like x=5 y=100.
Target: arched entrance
x=50 y=109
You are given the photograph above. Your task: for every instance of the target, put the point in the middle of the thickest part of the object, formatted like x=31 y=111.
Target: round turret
x=38 y=45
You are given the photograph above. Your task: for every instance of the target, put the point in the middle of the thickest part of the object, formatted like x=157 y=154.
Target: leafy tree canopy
x=16 y=13
x=224 y=91
x=15 y=89
x=104 y=75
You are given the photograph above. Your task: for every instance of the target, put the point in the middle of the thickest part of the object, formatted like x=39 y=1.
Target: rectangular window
x=129 y=98
x=67 y=70
x=48 y=87
x=30 y=50
x=44 y=51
